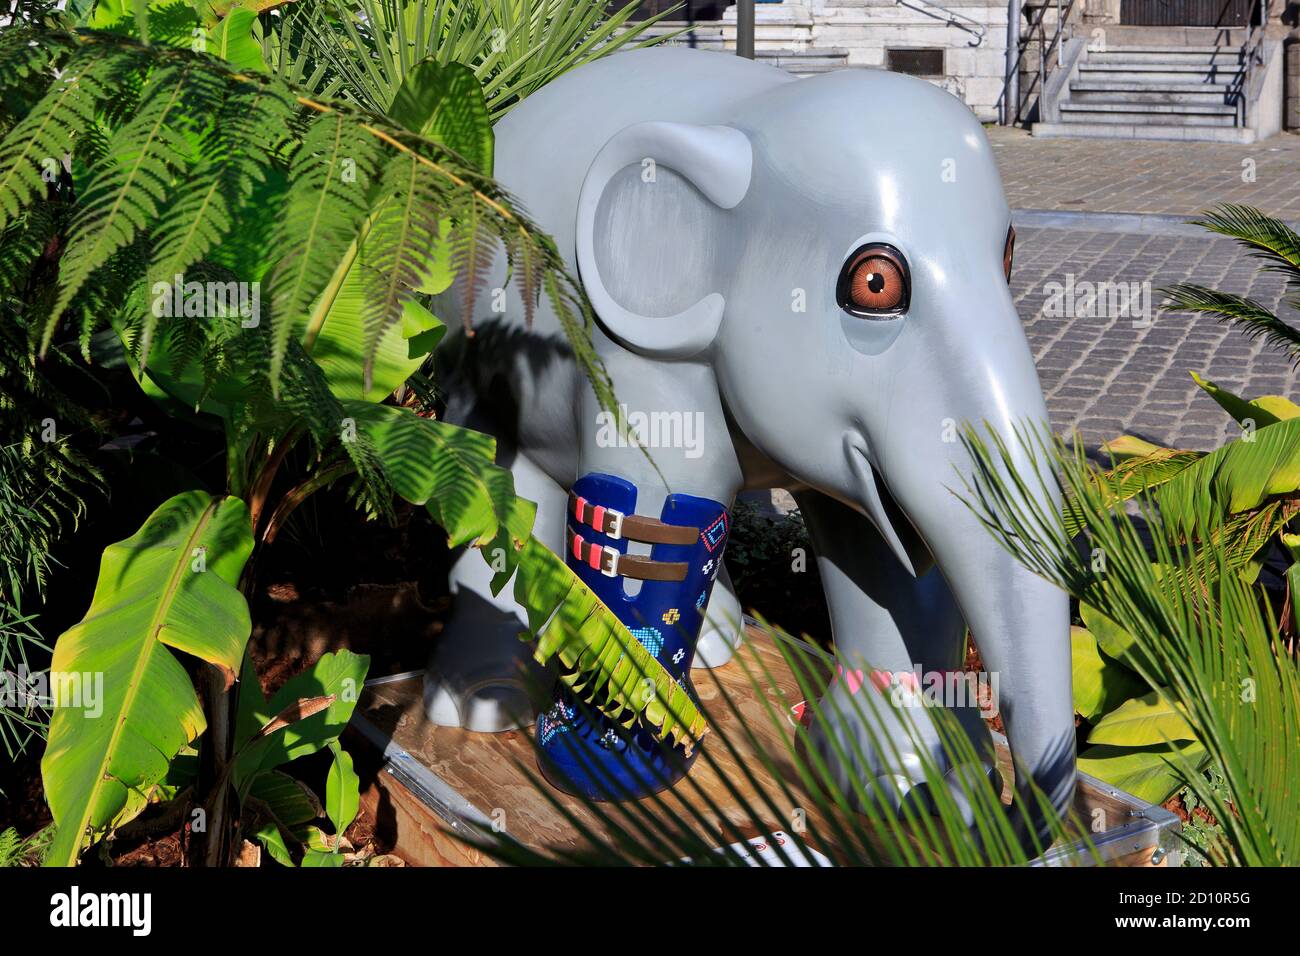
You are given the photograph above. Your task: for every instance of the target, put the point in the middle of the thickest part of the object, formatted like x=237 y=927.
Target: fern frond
x=125 y=196
x=470 y=245
x=398 y=245
x=235 y=156
x=34 y=149
x=331 y=175
x=22 y=243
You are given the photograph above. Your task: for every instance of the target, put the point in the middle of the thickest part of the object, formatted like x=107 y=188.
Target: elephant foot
x=717 y=644
x=481 y=677
x=876 y=739
x=724 y=624
x=585 y=753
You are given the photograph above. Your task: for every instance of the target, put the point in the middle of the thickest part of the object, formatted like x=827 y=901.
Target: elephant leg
x=723 y=624
x=481 y=676
x=893 y=632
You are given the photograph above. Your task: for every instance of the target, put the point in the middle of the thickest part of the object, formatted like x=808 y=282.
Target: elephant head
x=838 y=251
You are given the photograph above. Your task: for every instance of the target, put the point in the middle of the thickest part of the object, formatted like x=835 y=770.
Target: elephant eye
x=1009 y=252
x=874 y=282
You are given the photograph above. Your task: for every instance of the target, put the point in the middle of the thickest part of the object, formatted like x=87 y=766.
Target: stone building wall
x=868 y=32
x=973 y=63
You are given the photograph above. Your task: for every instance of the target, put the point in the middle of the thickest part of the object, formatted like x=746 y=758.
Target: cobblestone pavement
x=1104 y=377
x=1094 y=175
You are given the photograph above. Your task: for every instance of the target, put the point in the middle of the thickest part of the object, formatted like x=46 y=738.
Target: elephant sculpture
x=808 y=280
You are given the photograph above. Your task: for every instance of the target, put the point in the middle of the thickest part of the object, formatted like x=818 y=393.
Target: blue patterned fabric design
x=596 y=756
x=651 y=639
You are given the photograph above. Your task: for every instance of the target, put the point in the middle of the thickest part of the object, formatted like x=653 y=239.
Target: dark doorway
x=692 y=11
x=1185 y=13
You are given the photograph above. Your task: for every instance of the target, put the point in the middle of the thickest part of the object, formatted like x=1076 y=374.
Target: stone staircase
x=784 y=45
x=1148 y=91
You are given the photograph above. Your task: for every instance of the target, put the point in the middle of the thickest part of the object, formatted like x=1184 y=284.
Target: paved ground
x=1094 y=175
x=1102 y=376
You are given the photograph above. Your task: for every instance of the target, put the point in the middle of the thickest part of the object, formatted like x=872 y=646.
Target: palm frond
x=1214 y=649
x=1267 y=237
x=1249 y=316
x=515 y=47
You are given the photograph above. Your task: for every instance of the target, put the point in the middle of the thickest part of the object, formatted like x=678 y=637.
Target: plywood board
x=441 y=779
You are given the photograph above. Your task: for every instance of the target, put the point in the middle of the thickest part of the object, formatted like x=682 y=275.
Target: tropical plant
x=22 y=706
x=515 y=47
x=1133 y=730
x=304 y=716
x=174 y=158
x=1194 y=626
x=11 y=848
x=1248 y=492
x=946 y=821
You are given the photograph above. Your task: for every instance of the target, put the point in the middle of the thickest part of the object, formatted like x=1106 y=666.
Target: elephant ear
x=652 y=233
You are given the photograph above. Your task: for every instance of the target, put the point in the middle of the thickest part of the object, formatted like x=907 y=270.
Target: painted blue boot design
x=581 y=750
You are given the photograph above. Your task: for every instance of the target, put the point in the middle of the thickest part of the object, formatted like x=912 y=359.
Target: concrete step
x=1217 y=56
x=1200 y=134
x=1156 y=73
x=805 y=62
x=1153 y=114
x=704 y=35
x=799 y=62
x=830 y=57
x=1188 y=93
x=1131 y=36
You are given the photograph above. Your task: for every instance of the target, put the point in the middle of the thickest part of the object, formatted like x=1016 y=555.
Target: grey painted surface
x=724 y=306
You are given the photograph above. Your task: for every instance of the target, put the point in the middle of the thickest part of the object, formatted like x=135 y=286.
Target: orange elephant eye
x=874 y=282
x=1009 y=251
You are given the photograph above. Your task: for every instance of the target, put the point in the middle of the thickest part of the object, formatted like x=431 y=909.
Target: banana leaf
x=1148 y=773
x=1100 y=683
x=1262 y=411
x=1140 y=467
x=1238 y=477
x=171 y=585
x=1142 y=722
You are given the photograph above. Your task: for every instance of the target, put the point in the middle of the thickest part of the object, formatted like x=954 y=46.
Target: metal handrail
x=1037 y=30
x=1250 y=56
x=953 y=19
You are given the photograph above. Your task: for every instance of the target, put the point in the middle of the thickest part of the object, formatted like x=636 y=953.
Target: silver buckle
x=616 y=530
x=613 y=562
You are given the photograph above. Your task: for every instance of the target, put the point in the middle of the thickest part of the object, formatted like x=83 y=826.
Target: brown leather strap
x=633 y=527
x=609 y=562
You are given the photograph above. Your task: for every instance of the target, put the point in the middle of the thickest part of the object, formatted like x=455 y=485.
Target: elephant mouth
x=884 y=511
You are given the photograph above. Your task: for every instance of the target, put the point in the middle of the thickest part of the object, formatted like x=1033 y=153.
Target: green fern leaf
x=34 y=149
x=235 y=157
x=324 y=209
x=604 y=665
x=397 y=247
x=125 y=196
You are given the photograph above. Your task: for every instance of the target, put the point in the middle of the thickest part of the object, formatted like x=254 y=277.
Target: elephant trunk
x=1019 y=621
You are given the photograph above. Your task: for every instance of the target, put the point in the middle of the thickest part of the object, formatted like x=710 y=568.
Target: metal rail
x=1251 y=55
x=1014 y=102
x=952 y=18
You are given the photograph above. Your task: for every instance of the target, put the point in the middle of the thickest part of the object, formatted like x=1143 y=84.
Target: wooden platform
x=436 y=781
